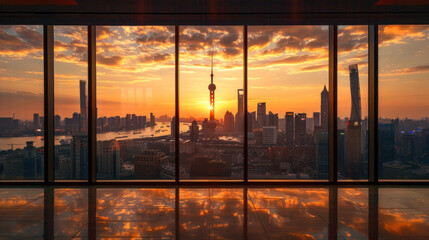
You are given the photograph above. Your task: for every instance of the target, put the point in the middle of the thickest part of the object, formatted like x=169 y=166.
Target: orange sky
x=287 y=69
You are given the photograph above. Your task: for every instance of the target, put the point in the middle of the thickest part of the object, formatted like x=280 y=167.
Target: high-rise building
x=273 y=119
x=386 y=145
x=146 y=164
x=36 y=121
x=355 y=166
x=152 y=119
x=79 y=157
x=32 y=162
x=173 y=127
x=57 y=122
x=251 y=121
x=194 y=131
x=83 y=104
x=356 y=112
x=342 y=163
x=82 y=96
x=262 y=114
x=269 y=135
x=289 y=127
x=300 y=125
x=240 y=100
x=324 y=109
x=228 y=122
x=316 y=119
x=108 y=159
x=322 y=154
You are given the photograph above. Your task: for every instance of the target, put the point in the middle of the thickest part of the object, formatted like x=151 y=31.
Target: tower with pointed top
x=212 y=88
x=212 y=122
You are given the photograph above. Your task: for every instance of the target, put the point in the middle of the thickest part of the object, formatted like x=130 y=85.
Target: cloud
x=315 y=67
x=109 y=61
x=150 y=37
x=277 y=40
x=224 y=41
x=20 y=41
x=351 y=38
x=396 y=34
x=103 y=32
x=157 y=57
x=410 y=70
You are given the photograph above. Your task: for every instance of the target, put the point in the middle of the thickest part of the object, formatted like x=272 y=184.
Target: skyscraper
x=261 y=114
x=108 y=159
x=83 y=112
x=82 y=95
x=354 y=128
x=269 y=135
x=228 y=122
x=300 y=125
x=324 y=109
x=386 y=145
x=316 y=119
x=356 y=113
x=239 y=123
x=146 y=164
x=173 y=127
x=36 y=121
x=194 y=131
x=79 y=157
x=273 y=119
x=240 y=99
x=152 y=119
x=289 y=127
x=251 y=121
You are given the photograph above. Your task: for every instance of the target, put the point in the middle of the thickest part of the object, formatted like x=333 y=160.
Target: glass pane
x=288 y=213
x=211 y=213
x=353 y=102
x=353 y=213
x=22 y=213
x=288 y=102
x=403 y=127
x=71 y=213
x=71 y=104
x=211 y=103
x=135 y=102
x=135 y=214
x=21 y=98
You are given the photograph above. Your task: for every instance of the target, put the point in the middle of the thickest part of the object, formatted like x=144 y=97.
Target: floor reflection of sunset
x=217 y=213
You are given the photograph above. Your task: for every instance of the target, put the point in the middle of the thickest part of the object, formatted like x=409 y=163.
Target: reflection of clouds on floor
x=217 y=213
x=136 y=213
x=288 y=213
x=21 y=213
x=211 y=213
x=403 y=213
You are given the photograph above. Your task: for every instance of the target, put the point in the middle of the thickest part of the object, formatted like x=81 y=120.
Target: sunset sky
x=287 y=69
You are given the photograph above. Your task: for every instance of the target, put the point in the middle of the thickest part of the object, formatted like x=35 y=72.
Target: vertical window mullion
x=373 y=103
x=333 y=212
x=333 y=79
x=245 y=138
x=48 y=64
x=92 y=106
x=177 y=116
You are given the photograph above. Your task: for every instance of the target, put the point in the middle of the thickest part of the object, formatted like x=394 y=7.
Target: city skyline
x=155 y=48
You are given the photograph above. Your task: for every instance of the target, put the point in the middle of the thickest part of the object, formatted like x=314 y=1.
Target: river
x=161 y=129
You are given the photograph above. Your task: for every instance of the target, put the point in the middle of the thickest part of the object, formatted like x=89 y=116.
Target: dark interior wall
x=213 y=12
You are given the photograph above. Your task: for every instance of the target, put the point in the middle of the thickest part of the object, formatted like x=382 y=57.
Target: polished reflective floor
x=215 y=213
